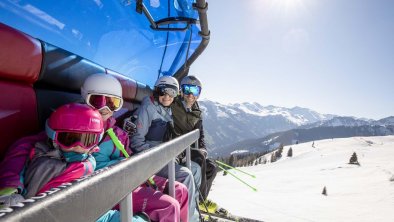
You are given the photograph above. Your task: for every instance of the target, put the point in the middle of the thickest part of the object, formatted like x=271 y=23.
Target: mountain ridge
x=228 y=125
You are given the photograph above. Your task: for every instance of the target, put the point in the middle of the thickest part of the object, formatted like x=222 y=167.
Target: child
x=104 y=92
x=73 y=132
x=63 y=153
x=154 y=118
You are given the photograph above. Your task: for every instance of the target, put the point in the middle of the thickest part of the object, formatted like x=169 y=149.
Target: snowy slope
x=290 y=189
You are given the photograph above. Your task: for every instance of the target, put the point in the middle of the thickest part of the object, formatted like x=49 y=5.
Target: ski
x=227 y=218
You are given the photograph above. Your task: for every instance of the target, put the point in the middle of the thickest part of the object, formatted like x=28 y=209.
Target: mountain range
x=252 y=127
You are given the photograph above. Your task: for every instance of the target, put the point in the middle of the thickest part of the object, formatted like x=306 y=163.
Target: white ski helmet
x=191 y=80
x=101 y=84
x=167 y=84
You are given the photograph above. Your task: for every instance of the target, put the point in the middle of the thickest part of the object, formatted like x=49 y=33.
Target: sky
x=290 y=189
x=332 y=56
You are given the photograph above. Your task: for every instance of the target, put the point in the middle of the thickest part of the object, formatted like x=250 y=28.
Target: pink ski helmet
x=75 y=124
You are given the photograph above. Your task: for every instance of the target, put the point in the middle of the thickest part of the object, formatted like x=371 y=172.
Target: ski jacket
x=187 y=120
x=109 y=154
x=32 y=166
x=46 y=169
x=152 y=124
x=14 y=161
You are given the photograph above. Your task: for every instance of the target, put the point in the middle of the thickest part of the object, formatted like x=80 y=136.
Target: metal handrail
x=88 y=198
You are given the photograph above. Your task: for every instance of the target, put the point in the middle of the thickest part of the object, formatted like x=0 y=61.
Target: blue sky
x=332 y=56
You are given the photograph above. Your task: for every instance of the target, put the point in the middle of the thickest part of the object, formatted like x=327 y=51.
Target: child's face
x=79 y=149
x=106 y=113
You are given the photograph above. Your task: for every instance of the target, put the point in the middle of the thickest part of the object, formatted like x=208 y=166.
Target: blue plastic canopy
x=113 y=33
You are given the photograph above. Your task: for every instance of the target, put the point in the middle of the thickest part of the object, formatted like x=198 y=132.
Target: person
x=104 y=93
x=188 y=117
x=61 y=155
x=154 y=123
x=65 y=147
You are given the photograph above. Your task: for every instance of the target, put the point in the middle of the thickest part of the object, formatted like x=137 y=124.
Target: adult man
x=188 y=117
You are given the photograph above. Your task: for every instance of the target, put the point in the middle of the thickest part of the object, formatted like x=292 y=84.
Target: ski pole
x=117 y=142
x=234 y=168
x=253 y=188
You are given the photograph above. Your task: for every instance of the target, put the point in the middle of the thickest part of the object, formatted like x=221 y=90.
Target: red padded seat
x=20 y=65
x=20 y=55
x=18 y=113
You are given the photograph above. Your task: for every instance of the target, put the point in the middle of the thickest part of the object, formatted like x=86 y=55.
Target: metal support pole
x=171 y=178
x=188 y=158
x=126 y=208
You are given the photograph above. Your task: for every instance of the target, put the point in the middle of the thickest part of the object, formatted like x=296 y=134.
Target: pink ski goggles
x=68 y=140
x=99 y=101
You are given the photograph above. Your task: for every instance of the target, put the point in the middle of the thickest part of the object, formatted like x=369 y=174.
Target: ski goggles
x=100 y=101
x=191 y=89
x=68 y=140
x=163 y=90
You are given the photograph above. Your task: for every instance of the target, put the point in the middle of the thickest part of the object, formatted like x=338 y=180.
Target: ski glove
x=9 y=197
x=129 y=126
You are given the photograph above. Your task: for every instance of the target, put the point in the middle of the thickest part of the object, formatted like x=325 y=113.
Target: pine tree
x=290 y=152
x=354 y=159
x=232 y=160
x=324 y=191
x=278 y=153
x=273 y=157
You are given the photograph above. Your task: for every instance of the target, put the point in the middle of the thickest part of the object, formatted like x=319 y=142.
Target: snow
x=290 y=189
x=239 y=152
x=222 y=114
x=258 y=110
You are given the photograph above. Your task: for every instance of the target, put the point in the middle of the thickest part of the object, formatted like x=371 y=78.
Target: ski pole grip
x=117 y=142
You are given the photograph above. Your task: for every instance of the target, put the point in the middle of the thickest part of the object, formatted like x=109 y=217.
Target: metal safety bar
x=87 y=198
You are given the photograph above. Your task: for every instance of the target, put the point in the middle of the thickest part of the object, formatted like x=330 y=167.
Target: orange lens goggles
x=100 y=101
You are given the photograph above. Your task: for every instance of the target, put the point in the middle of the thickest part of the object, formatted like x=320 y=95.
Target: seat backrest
x=20 y=65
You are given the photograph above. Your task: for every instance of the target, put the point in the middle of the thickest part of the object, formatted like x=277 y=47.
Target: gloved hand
x=129 y=126
x=9 y=197
x=204 y=152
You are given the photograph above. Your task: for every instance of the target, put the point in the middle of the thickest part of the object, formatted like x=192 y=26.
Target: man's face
x=190 y=93
x=189 y=99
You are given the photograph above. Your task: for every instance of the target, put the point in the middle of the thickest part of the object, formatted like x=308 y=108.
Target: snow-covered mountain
x=290 y=189
x=387 y=121
x=228 y=124
x=256 y=128
x=350 y=122
x=301 y=135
